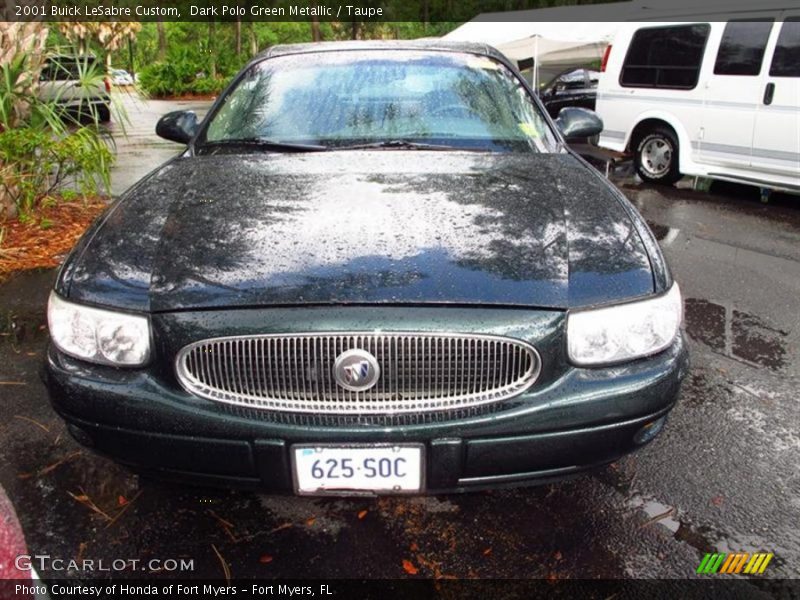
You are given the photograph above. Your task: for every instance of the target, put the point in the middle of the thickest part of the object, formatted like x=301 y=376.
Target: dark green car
x=376 y=268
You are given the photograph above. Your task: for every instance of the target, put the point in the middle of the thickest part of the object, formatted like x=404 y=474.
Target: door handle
x=769 y=92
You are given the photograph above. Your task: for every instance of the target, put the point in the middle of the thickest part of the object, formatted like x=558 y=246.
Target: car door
x=732 y=92
x=776 y=138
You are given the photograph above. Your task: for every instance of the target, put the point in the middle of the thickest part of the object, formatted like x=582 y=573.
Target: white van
x=713 y=99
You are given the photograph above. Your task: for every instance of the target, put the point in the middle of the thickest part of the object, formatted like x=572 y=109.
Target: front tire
x=656 y=156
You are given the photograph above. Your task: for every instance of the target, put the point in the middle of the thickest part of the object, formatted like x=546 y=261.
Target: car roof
x=429 y=44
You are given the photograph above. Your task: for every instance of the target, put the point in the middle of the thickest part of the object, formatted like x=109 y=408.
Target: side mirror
x=576 y=123
x=178 y=126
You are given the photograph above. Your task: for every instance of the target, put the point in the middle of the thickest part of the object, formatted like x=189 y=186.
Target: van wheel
x=656 y=157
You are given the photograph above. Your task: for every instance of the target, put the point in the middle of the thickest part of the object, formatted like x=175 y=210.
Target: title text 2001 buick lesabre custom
x=376 y=268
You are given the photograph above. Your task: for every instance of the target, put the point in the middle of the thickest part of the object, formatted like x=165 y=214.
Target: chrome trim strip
x=291 y=372
x=614 y=135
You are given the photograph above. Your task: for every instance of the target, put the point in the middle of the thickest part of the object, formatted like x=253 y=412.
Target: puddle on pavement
x=757 y=342
x=699 y=388
x=703 y=538
x=736 y=334
x=657 y=513
x=660 y=231
x=664 y=234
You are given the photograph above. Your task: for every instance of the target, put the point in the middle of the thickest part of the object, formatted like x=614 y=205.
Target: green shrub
x=44 y=152
x=161 y=79
x=183 y=72
x=208 y=85
x=167 y=79
x=35 y=164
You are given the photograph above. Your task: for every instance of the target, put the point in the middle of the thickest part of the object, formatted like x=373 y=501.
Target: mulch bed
x=30 y=246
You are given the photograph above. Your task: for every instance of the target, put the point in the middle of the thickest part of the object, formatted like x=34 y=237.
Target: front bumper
x=582 y=419
x=83 y=103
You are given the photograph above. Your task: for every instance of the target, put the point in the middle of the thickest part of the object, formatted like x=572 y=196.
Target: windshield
x=351 y=98
x=67 y=69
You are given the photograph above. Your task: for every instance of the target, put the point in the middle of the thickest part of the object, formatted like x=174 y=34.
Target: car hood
x=534 y=230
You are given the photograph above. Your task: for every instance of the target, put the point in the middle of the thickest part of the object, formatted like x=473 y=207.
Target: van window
x=742 y=47
x=665 y=57
x=786 y=60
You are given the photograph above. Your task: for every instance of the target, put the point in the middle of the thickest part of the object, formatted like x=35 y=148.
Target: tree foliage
x=41 y=148
x=22 y=48
x=36 y=164
x=197 y=61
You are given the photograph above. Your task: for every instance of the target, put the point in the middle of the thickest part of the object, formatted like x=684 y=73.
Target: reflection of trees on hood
x=153 y=240
x=515 y=246
x=529 y=217
x=540 y=212
x=325 y=227
x=214 y=230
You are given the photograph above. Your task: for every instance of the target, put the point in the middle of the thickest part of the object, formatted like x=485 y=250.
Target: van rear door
x=776 y=139
x=732 y=92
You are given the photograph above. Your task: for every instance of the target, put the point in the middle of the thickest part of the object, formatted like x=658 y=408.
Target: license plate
x=343 y=469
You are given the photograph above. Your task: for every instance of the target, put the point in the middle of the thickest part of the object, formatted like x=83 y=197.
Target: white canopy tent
x=553 y=39
x=552 y=47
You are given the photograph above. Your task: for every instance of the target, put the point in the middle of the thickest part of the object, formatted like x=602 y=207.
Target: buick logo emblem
x=356 y=370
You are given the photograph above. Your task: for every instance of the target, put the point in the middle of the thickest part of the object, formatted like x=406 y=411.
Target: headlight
x=624 y=332
x=96 y=335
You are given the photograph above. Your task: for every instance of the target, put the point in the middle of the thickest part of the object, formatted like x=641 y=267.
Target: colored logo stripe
x=711 y=563
x=731 y=563
x=758 y=563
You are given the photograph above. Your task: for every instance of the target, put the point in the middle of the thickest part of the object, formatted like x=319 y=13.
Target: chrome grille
x=420 y=372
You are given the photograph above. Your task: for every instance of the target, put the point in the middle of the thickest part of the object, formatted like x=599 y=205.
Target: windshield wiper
x=270 y=145
x=400 y=145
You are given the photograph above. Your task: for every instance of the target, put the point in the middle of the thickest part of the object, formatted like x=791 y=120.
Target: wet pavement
x=139 y=150
x=724 y=476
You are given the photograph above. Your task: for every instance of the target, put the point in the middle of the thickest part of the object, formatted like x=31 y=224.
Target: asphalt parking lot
x=724 y=476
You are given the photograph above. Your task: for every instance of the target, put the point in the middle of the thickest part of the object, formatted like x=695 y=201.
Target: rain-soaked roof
x=434 y=44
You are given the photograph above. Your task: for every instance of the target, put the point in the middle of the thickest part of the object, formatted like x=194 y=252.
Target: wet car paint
x=391 y=227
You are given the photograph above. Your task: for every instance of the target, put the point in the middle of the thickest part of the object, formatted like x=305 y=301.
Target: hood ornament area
x=356 y=370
